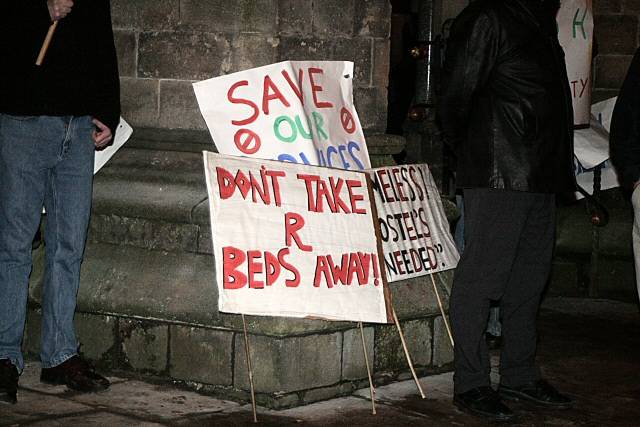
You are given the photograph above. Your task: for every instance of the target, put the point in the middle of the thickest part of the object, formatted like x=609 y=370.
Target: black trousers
x=509 y=238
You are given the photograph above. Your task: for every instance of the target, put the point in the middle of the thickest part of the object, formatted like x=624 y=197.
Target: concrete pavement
x=588 y=348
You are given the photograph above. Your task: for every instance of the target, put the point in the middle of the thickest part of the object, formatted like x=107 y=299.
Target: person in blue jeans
x=52 y=118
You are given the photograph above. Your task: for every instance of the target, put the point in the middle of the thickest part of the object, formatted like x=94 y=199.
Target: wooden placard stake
x=366 y=360
x=406 y=351
x=444 y=317
x=46 y=43
x=248 y=354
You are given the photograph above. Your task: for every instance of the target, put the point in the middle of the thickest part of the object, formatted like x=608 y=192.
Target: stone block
x=566 y=278
x=254 y=16
x=296 y=48
x=389 y=355
x=601 y=94
x=145 y=14
x=182 y=55
x=201 y=355
x=143 y=233
x=415 y=297
x=96 y=334
x=442 y=349
x=294 y=16
x=373 y=18
x=611 y=70
x=325 y=393
x=289 y=364
x=353 y=363
x=139 y=101
x=371 y=110
x=144 y=346
x=601 y=7
x=333 y=18
x=179 y=107
x=253 y=50
x=360 y=51
x=381 y=56
x=417 y=334
x=616 y=34
x=126 y=49
x=138 y=282
x=631 y=6
x=205 y=243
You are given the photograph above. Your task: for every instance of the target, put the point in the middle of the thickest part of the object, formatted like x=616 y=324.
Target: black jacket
x=79 y=75
x=625 y=126
x=506 y=106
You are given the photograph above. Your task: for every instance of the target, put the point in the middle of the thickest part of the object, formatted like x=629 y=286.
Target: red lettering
x=254 y=268
x=268 y=87
x=226 y=186
x=398 y=182
x=234 y=100
x=293 y=222
x=272 y=268
x=247 y=141
x=384 y=185
x=317 y=88
x=322 y=269
x=290 y=283
x=355 y=198
x=296 y=89
x=336 y=189
x=232 y=258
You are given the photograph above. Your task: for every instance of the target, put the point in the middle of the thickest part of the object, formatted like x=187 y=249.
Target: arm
x=625 y=126
x=470 y=56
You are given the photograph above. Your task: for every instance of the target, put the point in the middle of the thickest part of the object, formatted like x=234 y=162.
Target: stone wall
x=617 y=34
x=165 y=45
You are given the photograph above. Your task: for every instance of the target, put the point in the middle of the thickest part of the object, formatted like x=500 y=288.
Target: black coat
x=79 y=75
x=625 y=126
x=506 y=105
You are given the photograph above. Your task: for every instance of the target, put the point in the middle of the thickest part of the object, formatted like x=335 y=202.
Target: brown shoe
x=8 y=382
x=76 y=374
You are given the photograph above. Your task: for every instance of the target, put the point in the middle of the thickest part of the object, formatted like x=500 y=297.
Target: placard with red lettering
x=575 y=33
x=294 y=240
x=413 y=226
x=294 y=111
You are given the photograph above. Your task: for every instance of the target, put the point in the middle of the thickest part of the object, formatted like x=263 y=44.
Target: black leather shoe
x=8 y=382
x=76 y=374
x=483 y=401
x=539 y=392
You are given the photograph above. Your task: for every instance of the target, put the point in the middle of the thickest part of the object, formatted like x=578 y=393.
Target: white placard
x=294 y=240
x=413 y=226
x=122 y=135
x=295 y=111
x=575 y=33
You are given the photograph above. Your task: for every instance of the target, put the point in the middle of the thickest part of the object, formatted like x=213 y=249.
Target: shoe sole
x=492 y=417
x=516 y=396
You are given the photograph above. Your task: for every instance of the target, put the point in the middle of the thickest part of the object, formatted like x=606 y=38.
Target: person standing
x=52 y=118
x=506 y=112
x=624 y=140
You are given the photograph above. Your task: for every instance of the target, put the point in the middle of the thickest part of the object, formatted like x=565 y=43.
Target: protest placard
x=294 y=240
x=294 y=111
x=413 y=226
x=575 y=33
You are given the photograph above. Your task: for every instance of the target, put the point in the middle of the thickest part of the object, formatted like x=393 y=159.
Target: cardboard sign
x=575 y=33
x=123 y=133
x=294 y=240
x=295 y=111
x=413 y=226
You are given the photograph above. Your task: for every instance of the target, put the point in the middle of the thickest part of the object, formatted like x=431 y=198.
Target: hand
x=102 y=136
x=58 y=9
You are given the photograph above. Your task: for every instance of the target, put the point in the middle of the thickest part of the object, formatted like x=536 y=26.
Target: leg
x=521 y=299
x=494 y=219
x=25 y=152
x=68 y=205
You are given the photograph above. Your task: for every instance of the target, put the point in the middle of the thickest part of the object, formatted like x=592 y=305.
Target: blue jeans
x=43 y=161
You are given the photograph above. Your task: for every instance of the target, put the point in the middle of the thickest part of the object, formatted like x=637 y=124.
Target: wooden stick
x=366 y=360
x=406 y=351
x=47 y=41
x=444 y=317
x=246 y=348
